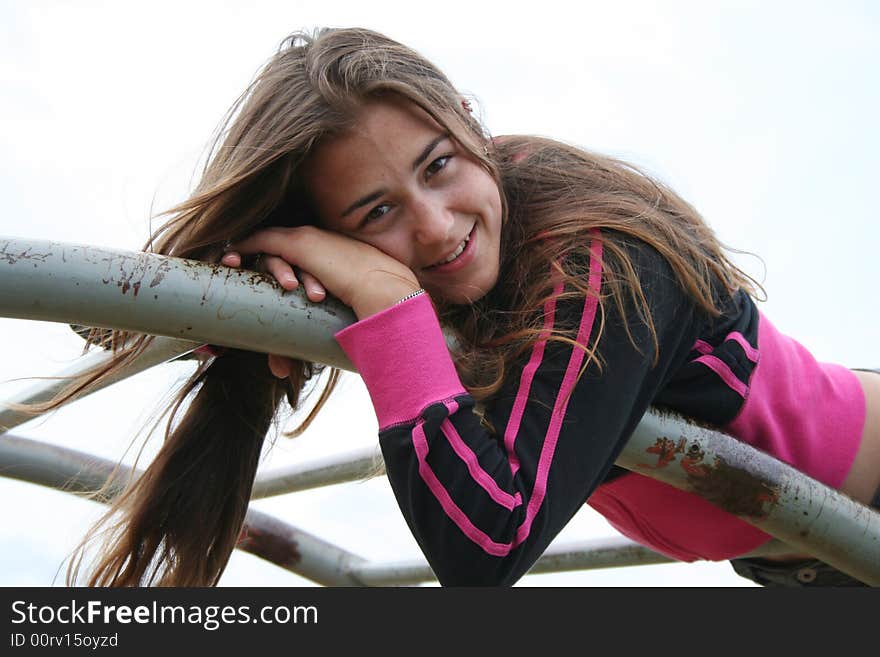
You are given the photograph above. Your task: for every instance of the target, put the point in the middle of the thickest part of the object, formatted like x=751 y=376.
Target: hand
x=356 y=273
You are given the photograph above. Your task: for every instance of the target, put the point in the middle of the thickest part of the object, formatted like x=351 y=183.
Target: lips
x=453 y=256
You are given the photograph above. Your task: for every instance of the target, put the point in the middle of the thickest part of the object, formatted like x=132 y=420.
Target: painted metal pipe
x=59 y=467
x=334 y=469
x=613 y=552
x=172 y=297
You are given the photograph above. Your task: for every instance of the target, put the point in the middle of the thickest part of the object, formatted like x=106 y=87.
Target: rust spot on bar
x=734 y=490
x=665 y=449
x=27 y=254
x=163 y=269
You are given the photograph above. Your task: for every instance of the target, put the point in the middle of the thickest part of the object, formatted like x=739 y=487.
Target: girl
x=578 y=291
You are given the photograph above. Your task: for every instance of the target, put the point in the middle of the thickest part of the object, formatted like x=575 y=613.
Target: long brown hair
x=178 y=524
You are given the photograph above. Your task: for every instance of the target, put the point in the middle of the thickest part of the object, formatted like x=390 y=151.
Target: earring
x=466 y=105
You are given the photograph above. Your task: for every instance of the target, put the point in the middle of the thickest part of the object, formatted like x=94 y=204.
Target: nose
x=432 y=222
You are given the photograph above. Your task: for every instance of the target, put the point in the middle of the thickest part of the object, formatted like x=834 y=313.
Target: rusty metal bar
x=299 y=551
x=798 y=510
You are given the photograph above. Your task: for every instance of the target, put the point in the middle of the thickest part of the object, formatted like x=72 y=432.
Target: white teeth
x=455 y=253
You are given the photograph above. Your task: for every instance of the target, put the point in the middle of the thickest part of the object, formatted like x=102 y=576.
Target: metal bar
x=334 y=469
x=159 y=351
x=299 y=551
x=172 y=297
x=264 y=536
x=612 y=552
x=774 y=497
x=67 y=469
x=59 y=467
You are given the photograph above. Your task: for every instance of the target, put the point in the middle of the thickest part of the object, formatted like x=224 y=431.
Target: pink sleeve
x=402 y=356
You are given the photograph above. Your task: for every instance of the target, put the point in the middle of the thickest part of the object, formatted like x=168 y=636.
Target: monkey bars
x=190 y=303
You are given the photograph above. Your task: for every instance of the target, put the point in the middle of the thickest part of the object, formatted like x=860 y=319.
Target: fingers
x=280 y=366
x=231 y=259
x=281 y=270
x=314 y=290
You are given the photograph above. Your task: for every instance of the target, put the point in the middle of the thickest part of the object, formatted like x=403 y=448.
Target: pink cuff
x=402 y=356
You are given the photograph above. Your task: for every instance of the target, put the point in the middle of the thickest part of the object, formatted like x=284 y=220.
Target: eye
x=437 y=165
x=376 y=213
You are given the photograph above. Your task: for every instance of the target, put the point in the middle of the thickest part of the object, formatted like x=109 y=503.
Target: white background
x=761 y=114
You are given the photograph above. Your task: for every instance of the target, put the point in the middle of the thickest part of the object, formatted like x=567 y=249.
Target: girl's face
x=399 y=182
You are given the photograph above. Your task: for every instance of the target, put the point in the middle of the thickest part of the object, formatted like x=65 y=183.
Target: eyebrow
x=427 y=150
x=372 y=196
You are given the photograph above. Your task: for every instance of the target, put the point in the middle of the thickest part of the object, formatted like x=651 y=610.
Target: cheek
x=491 y=196
x=391 y=244
x=494 y=211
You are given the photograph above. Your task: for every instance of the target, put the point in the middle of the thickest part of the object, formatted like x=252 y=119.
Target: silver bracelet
x=409 y=296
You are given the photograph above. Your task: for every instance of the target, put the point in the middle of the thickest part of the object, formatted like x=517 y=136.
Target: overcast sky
x=761 y=114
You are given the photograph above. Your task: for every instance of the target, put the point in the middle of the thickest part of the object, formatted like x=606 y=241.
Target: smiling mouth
x=454 y=255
